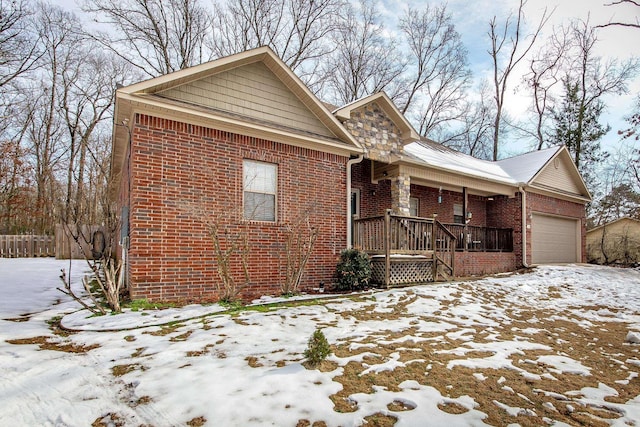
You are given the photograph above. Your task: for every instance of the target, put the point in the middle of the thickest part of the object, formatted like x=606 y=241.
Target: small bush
x=317 y=349
x=353 y=271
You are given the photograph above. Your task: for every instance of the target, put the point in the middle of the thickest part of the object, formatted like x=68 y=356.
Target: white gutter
x=349 y=213
x=524 y=225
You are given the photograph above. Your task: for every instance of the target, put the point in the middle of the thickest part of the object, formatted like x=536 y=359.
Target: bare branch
x=364 y=62
x=437 y=74
x=506 y=53
x=155 y=36
x=612 y=23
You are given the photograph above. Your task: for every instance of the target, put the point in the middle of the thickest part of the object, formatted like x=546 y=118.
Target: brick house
x=243 y=140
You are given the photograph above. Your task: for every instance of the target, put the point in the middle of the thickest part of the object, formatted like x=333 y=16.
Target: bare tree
x=155 y=36
x=86 y=94
x=296 y=30
x=509 y=46
x=300 y=240
x=620 y=245
x=44 y=136
x=56 y=118
x=437 y=74
x=105 y=285
x=593 y=77
x=19 y=48
x=15 y=194
x=473 y=135
x=612 y=23
x=231 y=248
x=543 y=75
x=364 y=61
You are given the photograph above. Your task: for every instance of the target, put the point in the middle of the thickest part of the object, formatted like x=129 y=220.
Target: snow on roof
x=437 y=155
x=513 y=170
x=524 y=167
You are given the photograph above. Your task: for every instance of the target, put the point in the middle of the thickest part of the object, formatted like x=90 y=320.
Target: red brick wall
x=501 y=212
x=374 y=198
x=177 y=168
x=482 y=263
x=506 y=212
x=428 y=204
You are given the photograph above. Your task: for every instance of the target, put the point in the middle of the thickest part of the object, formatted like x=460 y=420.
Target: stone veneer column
x=401 y=195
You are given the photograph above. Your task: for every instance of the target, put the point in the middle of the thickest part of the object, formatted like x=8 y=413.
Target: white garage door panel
x=553 y=239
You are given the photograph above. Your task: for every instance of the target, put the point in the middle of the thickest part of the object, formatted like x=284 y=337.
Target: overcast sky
x=472 y=22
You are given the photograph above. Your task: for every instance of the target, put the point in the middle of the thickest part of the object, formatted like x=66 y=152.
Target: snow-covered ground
x=549 y=347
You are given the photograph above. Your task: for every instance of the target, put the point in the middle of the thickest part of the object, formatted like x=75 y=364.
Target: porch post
x=465 y=233
x=401 y=195
x=387 y=247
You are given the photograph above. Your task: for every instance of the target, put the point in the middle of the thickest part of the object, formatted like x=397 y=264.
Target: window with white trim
x=259 y=184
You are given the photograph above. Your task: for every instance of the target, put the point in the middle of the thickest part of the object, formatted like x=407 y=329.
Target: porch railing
x=481 y=239
x=391 y=234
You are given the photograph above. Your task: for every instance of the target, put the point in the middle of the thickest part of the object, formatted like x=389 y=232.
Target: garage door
x=553 y=239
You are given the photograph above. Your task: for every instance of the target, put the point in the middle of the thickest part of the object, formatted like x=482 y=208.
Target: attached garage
x=554 y=239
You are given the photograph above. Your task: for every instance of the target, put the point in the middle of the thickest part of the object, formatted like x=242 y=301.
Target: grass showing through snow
x=533 y=349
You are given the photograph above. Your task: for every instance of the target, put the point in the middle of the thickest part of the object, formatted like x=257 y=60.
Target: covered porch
x=406 y=249
x=420 y=226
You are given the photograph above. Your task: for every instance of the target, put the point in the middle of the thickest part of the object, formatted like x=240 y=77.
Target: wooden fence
x=28 y=245
x=62 y=246
x=66 y=246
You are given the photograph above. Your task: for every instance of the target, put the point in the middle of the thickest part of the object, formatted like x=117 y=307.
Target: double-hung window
x=458 y=215
x=259 y=183
x=414 y=206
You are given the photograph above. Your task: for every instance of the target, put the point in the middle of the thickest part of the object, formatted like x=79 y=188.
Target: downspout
x=524 y=226
x=124 y=237
x=350 y=163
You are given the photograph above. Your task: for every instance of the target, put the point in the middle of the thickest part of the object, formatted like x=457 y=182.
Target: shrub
x=317 y=349
x=353 y=270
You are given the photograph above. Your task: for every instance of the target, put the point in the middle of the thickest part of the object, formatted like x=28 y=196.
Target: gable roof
x=549 y=171
x=199 y=95
x=524 y=167
x=159 y=85
x=408 y=135
x=314 y=125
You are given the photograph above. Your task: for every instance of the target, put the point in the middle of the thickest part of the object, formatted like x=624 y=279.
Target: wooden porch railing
x=481 y=239
x=391 y=234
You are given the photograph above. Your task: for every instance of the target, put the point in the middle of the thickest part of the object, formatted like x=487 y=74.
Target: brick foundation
x=482 y=263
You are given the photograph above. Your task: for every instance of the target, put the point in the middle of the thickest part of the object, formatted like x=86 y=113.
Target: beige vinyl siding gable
x=251 y=91
x=558 y=175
